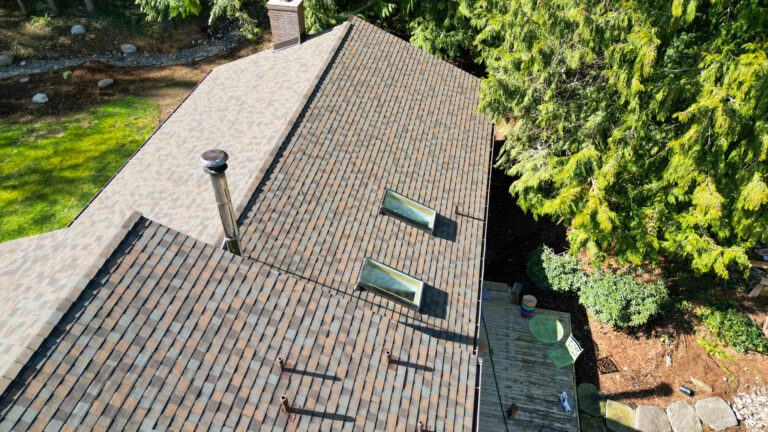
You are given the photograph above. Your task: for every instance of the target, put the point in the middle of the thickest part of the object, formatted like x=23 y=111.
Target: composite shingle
x=216 y=367
x=168 y=332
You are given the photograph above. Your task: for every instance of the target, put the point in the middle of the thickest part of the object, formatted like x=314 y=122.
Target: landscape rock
x=619 y=417
x=24 y=80
x=590 y=400
x=128 y=48
x=591 y=424
x=701 y=386
x=182 y=56
x=751 y=408
x=651 y=419
x=106 y=82
x=23 y=63
x=77 y=29
x=682 y=417
x=6 y=59
x=40 y=98
x=716 y=413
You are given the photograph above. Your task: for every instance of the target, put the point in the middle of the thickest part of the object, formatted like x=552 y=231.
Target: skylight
x=391 y=283
x=408 y=210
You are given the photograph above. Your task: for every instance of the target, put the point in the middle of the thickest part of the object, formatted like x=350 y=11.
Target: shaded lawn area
x=51 y=169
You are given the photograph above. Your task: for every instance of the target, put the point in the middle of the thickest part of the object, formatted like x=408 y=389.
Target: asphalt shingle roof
x=165 y=331
x=385 y=115
x=174 y=334
x=247 y=106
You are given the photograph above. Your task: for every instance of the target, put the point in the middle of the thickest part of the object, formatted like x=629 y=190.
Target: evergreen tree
x=643 y=125
x=439 y=27
x=159 y=10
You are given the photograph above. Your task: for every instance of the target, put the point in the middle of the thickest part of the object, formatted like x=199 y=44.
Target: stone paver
x=651 y=419
x=591 y=424
x=716 y=413
x=619 y=417
x=682 y=417
x=591 y=401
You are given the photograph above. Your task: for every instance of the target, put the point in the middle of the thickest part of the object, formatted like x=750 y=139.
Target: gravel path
x=208 y=47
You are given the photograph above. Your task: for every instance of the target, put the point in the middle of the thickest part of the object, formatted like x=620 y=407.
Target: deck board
x=517 y=369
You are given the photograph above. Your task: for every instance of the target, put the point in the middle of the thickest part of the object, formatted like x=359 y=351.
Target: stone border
x=715 y=412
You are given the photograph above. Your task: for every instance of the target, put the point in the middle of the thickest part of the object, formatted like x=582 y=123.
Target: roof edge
x=76 y=283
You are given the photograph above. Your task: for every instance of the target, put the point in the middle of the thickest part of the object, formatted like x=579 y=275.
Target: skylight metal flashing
x=391 y=283
x=409 y=211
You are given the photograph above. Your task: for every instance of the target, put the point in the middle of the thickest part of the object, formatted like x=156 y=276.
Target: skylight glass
x=391 y=283
x=408 y=210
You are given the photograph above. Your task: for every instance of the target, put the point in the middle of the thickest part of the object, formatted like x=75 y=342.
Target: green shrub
x=732 y=327
x=550 y=271
x=620 y=300
x=615 y=299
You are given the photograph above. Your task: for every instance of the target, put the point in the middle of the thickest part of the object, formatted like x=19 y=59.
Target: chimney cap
x=213 y=158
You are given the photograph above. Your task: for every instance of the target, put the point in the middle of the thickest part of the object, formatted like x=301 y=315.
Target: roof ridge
x=357 y=20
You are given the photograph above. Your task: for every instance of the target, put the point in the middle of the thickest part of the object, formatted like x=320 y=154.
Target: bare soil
x=167 y=86
x=44 y=35
x=630 y=368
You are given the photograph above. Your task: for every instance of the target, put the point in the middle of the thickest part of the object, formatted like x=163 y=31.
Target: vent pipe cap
x=214 y=160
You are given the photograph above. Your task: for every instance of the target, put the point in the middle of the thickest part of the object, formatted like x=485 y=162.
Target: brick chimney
x=286 y=18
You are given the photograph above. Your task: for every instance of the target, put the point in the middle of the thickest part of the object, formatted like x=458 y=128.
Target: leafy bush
x=620 y=300
x=550 y=271
x=732 y=327
x=615 y=299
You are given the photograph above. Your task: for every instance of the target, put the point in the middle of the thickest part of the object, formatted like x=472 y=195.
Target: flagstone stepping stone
x=591 y=424
x=651 y=419
x=619 y=417
x=716 y=413
x=590 y=400
x=77 y=29
x=682 y=417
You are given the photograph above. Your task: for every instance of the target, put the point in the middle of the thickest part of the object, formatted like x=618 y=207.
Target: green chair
x=566 y=355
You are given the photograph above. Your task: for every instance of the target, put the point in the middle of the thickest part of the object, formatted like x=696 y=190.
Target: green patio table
x=546 y=329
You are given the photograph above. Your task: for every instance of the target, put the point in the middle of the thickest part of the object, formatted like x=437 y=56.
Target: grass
x=51 y=169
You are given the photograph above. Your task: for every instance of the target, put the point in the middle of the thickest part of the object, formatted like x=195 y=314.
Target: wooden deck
x=517 y=369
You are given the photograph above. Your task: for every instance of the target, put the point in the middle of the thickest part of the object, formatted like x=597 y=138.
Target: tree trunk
x=89 y=5
x=54 y=8
x=23 y=8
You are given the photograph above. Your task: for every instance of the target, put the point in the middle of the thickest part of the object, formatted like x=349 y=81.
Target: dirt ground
x=629 y=368
x=44 y=35
x=167 y=86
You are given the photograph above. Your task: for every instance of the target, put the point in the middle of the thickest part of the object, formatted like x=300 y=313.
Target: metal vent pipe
x=214 y=162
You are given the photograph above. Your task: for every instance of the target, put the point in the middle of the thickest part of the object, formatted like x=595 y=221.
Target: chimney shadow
x=434 y=302
x=445 y=228
x=292 y=370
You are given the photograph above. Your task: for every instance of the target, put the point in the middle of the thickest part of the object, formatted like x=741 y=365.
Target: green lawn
x=50 y=170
